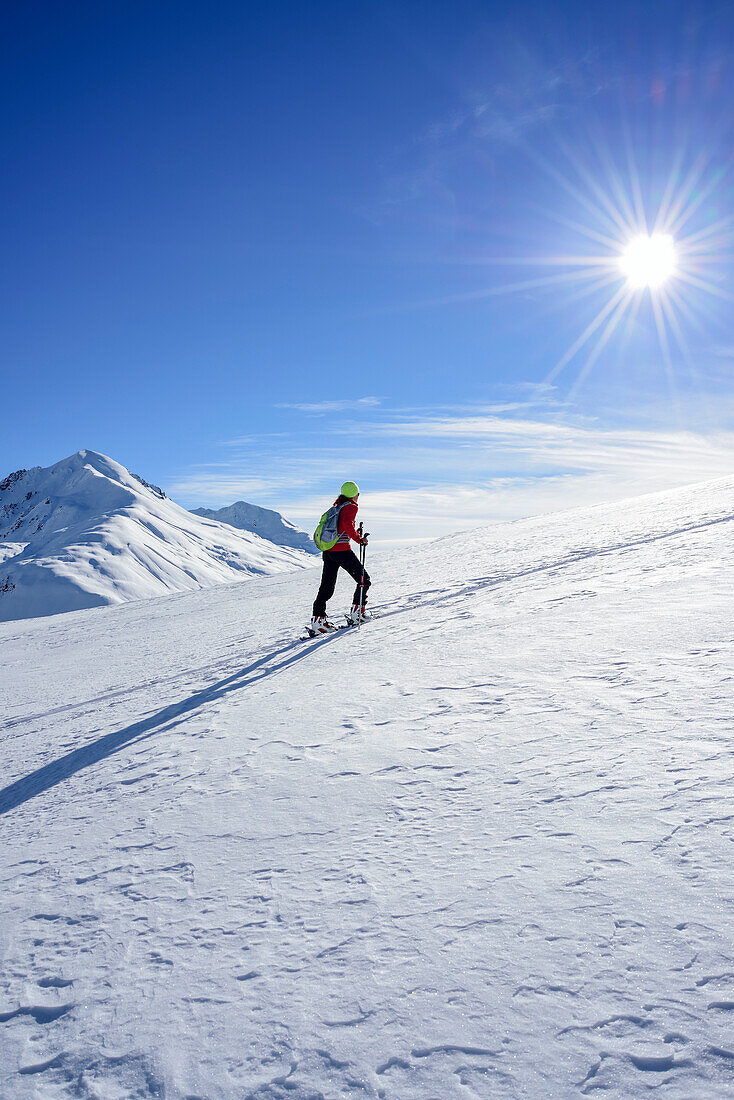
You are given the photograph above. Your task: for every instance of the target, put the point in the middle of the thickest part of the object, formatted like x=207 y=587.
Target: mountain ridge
x=90 y=532
x=265 y=522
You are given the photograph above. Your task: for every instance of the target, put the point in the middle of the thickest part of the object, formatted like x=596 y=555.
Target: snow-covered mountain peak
x=94 y=460
x=261 y=521
x=88 y=463
x=86 y=531
x=44 y=501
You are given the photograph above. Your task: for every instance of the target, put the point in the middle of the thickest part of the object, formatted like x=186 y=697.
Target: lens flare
x=648 y=261
x=675 y=249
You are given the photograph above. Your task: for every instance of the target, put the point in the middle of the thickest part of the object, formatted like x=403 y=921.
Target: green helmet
x=350 y=489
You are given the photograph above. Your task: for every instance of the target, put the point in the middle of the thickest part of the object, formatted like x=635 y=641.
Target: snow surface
x=481 y=847
x=261 y=521
x=10 y=549
x=96 y=534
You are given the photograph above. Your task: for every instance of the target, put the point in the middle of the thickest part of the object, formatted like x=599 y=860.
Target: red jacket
x=346 y=527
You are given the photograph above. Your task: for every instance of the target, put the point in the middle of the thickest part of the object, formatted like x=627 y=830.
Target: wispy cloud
x=225 y=485
x=320 y=407
x=427 y=472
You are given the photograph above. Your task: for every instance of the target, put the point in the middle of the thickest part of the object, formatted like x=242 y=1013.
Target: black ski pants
x=348 y=560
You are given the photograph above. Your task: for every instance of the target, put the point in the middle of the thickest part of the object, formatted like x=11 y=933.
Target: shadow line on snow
x=48 y=776
x=55 y=772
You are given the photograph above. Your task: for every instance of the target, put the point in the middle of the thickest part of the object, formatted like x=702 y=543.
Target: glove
x=363 y=541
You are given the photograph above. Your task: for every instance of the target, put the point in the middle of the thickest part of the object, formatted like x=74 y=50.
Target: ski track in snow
x=481 y=847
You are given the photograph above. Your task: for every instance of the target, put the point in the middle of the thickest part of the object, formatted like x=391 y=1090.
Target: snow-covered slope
x=480 y=848
x=263 y=522
x=87 y=532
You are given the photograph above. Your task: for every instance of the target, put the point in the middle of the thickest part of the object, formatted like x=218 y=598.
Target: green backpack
x=326 y=534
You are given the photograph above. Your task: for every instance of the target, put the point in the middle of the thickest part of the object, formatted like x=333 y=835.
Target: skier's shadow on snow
x=43 y=779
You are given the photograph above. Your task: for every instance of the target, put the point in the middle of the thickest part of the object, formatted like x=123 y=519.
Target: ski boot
x=358 y=615
x=320 y=625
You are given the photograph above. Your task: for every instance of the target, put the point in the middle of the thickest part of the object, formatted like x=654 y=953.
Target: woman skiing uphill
x=341 y=554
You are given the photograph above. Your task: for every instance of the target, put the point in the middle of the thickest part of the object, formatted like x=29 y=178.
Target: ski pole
x=362 y=556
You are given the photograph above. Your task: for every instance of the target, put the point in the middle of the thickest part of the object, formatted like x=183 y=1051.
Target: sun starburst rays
x=665 y=259
x=649 y=256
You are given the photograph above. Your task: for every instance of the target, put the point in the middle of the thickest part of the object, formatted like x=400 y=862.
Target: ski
x=322 y=633
x=348 y=625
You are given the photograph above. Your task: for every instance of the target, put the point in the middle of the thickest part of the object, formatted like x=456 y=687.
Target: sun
x=648 y=261
x=670 y=245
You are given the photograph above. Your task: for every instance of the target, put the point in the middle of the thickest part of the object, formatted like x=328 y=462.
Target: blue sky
x=252 y=250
